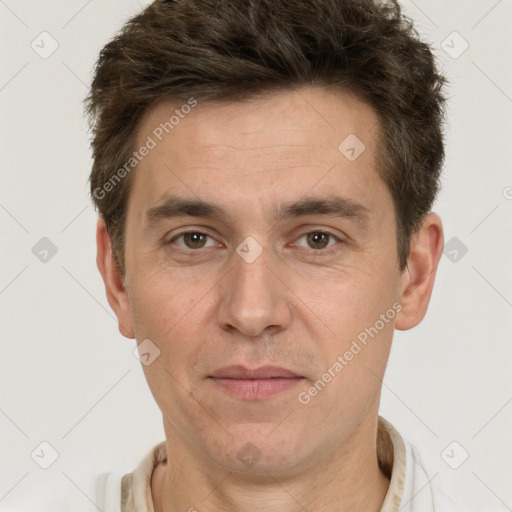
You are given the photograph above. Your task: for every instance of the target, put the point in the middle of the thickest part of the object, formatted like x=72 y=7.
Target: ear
x=418 y=277
x=113 y=279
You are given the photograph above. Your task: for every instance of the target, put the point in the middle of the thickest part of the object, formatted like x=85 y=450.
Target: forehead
x=288 y=139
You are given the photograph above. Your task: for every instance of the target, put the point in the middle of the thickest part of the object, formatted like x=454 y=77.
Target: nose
x=254 y=301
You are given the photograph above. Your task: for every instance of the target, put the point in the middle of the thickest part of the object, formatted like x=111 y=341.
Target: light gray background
x=70 y=379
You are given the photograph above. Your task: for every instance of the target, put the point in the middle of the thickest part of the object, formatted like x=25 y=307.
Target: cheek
x=169 y=316
x=348 y=301
x=355 y=351
x=173 y=314
x=355 y=313
x=161 y=301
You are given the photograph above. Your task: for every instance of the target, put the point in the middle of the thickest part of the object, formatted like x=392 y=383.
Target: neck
x=348 y=479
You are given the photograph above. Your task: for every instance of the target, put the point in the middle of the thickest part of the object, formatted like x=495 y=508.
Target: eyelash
x=325 y=251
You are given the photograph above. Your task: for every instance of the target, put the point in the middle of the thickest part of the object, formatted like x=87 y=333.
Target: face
x=261 y=263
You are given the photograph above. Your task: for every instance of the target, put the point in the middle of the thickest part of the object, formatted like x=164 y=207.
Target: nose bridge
x=251 y=282
x=253 y=299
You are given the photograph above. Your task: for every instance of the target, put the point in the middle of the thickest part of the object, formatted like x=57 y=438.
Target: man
x=264 y=171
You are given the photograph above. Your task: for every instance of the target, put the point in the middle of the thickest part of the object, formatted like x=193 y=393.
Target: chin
x=260 y=449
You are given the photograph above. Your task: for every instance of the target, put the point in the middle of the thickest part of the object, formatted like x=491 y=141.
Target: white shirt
x=410 y=488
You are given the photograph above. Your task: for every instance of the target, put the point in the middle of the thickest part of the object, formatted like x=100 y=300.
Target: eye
x=193 y=240
x=319 y=240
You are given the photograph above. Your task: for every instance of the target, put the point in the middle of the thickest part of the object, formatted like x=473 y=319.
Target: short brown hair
x=231 y=50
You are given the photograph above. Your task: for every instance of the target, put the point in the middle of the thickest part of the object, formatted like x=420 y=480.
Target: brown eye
x=318 y=239
x=194 y=240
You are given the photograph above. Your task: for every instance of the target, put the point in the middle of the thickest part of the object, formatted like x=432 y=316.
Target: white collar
x=408 y=488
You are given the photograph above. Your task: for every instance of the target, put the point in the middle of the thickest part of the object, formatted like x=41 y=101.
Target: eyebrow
x=334 y=206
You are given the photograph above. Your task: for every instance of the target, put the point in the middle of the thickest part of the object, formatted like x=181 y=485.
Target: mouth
x=254 y=384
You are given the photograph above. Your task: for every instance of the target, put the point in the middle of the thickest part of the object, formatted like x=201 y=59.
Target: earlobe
x=417 y=280
x=113 y=279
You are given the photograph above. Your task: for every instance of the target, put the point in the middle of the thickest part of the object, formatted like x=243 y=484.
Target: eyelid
x=200 y=231
x=310 y=230
x=326 y=250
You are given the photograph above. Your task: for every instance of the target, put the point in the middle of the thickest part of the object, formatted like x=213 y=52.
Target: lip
x=259 y=383
x=262 y=372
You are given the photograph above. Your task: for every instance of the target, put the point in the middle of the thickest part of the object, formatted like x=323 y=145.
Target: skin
x=296 y=306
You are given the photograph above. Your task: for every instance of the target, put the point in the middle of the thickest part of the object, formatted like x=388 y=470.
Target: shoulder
x=130 y=492
x=414 y=486
x=425 y=486
x=108 y=492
